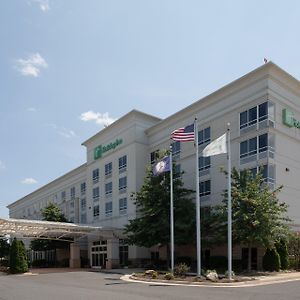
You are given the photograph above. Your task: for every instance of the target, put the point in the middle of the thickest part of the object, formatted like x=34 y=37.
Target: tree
x=281 y=247
x=258 y=218
x=4 y=247
x=53 y=213
x=18 y=258
x=152 y=224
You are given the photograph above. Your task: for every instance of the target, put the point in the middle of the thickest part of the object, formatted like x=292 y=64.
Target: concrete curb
x=253 y=283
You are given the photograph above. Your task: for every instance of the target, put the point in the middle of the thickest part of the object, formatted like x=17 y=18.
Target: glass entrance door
x=99 y=254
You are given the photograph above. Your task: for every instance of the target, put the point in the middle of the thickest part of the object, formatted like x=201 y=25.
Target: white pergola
x=36 y=229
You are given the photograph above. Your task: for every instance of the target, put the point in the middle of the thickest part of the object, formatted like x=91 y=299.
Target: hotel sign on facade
x=100 y=150
x=288 y=119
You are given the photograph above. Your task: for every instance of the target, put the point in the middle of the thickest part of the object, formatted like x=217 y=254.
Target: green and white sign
x=288 y=119
x=100 y=150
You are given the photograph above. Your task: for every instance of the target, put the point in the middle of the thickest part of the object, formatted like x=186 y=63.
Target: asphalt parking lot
x=91 y=285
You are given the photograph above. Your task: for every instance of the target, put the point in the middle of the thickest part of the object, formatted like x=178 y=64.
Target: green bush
x=154 y=275
x=282 y=250
x=181 y=269
x=218 y=262
x=271 y=260
x=18 y=258
x=168 y=276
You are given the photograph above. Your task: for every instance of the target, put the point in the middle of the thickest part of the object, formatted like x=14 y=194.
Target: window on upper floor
x=123 y=183
x=154 y=156
x=123 y=206
x=63 y=195
x=82 y=188
x=96 y=211
x=254 y=145
x=108 y=208
x=177 y=173
x=83 y=204
x=123 y=163
x=204 y=136
x=204 y=163
x=72 y=192
x=108 y=188
x=108 y=169
x=95 y=175
x=205 y=188
x=96 y=193
x=176 y=148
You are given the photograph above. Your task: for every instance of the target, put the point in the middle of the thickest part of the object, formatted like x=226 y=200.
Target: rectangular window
x=96 y=211
x=263 y=142
x=108 y=208
x=83 y=218
x=252 y=146
x=72 y=204
x=123 y=162
x=83 y=188
x=63 y=195
x=72 y=192
x=123 y=183
x=83 y=204
x=177 y=173
x=154 y=156
x=96 y=193
x=205 y=188
x=108 y=169
x=253 y=115
x=176 y=147
x=108 y=188
x=204 y=136
x=123 y=206
x=204 y=163
x=95 y=175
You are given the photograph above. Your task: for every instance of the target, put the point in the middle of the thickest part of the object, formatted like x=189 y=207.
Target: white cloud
x=66 y=133
x=31 y=109
x=43 y=4
x=28 y=181
x=101 y=119
x=32 y=65
x=2 y=165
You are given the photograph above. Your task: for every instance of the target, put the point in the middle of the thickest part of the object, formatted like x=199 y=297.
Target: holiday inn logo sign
x=288 y=119
x=100 y=150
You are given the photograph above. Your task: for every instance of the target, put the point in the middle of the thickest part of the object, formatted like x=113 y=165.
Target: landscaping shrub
x=282 y=250
x=271 y=260
x=18 y=258
x=218 y=262
x=154 y=275
x=169 y=276
x=181 y=269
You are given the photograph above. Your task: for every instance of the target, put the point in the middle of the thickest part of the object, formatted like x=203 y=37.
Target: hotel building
x=262 y=108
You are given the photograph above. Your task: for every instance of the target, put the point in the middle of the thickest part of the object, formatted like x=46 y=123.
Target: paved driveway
x=90 y=285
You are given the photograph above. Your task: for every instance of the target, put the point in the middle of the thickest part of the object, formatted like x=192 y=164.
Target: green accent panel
x=287 y=117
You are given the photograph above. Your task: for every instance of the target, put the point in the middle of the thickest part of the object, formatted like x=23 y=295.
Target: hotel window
x=83 y=218
x=95 y=175
x=154 y=156
x=205 y=188
x=72 y=191
x=63 y=195
x=72 y=205
x=83 y=188
x=254 y=145
x=96 y=211
x=256 y=114
x=108 y=209
x=108 y=169
x=83 y=204
x=267 y=172
x=108 y=188
x=204 y=136
x=96 y=193
x=177 y=173
x=122 y=183
x=176 y=148
x=123 y=206
x=204 y=163
x=123 y=163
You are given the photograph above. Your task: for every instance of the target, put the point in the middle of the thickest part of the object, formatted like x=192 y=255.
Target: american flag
x=184 y=134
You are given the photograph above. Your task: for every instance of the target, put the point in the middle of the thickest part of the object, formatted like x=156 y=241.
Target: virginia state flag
x=161 y=166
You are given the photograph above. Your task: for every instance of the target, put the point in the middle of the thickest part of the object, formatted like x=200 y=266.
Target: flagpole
x=229 y=205
x=197 y=203
x=171 y=211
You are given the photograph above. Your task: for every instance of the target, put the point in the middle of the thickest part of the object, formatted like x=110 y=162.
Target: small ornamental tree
x=282 y=250
x=152 y=225
x=271 y=260
x=18 y=259
x=258 y=218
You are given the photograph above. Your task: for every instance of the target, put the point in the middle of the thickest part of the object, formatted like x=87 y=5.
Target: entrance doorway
x=99 y=254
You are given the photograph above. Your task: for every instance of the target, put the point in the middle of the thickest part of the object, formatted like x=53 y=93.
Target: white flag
x=216 y=147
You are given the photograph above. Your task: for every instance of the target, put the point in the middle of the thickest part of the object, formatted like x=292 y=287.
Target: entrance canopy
x=53 y=230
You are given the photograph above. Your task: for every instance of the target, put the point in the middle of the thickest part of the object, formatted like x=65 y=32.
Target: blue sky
x=68 y=67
